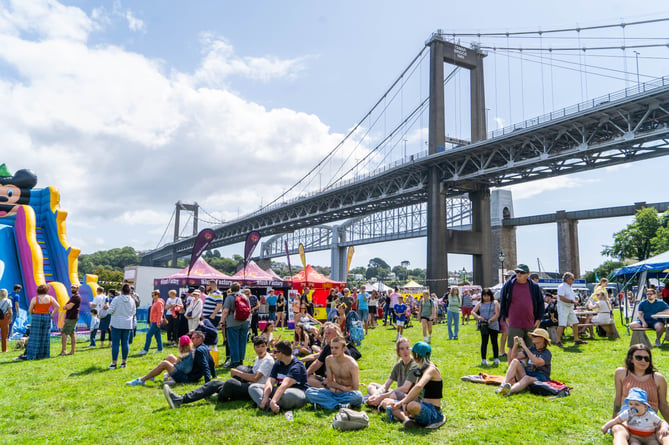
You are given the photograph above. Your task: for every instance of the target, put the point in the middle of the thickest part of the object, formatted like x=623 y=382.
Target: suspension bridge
x=375 y=188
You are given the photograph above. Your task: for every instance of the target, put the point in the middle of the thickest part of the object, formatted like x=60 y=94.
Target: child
x=400 y=309
x=269 y=336
x=95 y=324
x=639 y=419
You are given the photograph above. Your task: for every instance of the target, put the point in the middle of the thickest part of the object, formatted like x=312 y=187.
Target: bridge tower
x=440 y=240
x=180 y=206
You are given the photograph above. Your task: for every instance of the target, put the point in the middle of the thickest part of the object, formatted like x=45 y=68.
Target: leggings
x=492 y=334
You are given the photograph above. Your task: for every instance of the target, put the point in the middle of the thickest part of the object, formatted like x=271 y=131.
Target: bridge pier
x=337 y=257
x=568 y=254
x=503 y=237
x=483 y=262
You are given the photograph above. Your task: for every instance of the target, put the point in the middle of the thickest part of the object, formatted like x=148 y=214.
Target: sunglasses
x=645 y=358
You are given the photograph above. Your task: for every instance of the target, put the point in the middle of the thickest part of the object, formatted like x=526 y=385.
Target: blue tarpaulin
x=656 y=264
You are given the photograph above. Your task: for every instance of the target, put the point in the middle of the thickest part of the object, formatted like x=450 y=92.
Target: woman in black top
x=280 y=311
x=426 y=412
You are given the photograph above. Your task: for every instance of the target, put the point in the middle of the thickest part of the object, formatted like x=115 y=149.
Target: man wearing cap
x=71 y=318
x=567 y=298
x=522 y=305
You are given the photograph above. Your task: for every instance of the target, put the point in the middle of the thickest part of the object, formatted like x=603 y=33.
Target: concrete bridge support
x=568 y=254
x=337 y=257
x=503 y=238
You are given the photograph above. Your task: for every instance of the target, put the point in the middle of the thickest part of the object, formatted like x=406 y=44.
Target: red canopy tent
x=309 y=277
x=252 y=275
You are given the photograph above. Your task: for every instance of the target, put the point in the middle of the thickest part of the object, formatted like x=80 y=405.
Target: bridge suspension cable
x=341 y=143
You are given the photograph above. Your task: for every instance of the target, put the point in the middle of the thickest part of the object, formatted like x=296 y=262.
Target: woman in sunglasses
x=640 y=372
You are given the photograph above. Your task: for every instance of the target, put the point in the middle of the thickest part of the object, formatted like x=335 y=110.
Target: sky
x=129 y=107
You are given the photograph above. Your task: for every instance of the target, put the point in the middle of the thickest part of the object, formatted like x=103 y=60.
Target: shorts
x=503 y=326
x=399 y=323
x=428 y=415
x=466 y=310
x=180 y=376
x=566 y=315
x=69 y=327
x=364 y=314
x=518 y=332
x=426 y=318
x=537 y=375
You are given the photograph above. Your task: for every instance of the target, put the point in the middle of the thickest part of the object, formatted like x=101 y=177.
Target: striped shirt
x=210 y=303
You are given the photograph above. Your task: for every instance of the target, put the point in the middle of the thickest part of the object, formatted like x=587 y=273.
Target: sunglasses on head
x=645 y=358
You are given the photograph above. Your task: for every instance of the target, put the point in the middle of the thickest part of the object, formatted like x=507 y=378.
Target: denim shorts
x=364 y=314
x=428 y=415
x=180 y=376
x=537 y=375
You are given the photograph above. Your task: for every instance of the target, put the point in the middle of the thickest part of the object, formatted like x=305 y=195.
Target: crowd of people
x=318 y=365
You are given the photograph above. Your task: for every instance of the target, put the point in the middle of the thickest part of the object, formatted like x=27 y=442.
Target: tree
x=603 y=271
x=378 y=262
x=113 y=259
x=642 y=238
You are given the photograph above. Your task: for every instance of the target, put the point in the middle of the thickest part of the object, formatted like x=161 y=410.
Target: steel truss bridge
x=389 y=203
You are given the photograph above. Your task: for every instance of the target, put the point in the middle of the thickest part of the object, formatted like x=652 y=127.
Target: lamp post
x=502 y=257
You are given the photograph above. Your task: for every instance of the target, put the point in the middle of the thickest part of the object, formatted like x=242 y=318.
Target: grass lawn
x=75 y=399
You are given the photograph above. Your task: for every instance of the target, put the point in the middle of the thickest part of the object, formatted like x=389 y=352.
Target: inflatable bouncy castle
x=33 y=244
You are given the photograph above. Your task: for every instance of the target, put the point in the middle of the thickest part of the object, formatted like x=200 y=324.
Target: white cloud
x=124 y=137
x=134 y=23
x=220 y=63
x=530 y=189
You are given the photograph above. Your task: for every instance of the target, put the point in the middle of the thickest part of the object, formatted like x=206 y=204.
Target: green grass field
x=75 y=399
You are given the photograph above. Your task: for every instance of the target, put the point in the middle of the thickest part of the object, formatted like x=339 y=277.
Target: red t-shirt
x=665 y=295
x=521 y=309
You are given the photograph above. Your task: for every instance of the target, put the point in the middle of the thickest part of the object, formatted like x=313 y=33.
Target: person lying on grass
x=527 y=365
x=402 y=373
x=235 y=388
x=411 y=410
x=193 y=363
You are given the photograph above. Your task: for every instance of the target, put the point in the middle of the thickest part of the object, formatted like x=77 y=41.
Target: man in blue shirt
x=647 y=308
x=284 y=389
x=15 y=297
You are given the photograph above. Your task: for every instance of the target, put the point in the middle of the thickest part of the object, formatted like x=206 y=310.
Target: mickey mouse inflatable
x=15 y=189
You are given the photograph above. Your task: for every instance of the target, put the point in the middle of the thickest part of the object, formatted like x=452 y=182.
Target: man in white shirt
x=567 y=298
x=235 y=388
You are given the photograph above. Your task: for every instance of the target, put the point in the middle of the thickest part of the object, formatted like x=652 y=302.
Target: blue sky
x=127 y=107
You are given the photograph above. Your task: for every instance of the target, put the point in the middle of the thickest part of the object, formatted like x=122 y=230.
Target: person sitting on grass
x=342 y=381
x=527 y=365
x=301 y=341
x=193 y=363
x=413 y=411
x=268 y=333
x=284 y=389
x=641 y=422
x=402 y=373
x=235 y=388
x=317 y=371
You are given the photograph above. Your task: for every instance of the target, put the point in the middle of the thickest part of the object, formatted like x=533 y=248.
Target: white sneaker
x=484 y=362
x=495 y=362
x=142 y=352
x=505 y=388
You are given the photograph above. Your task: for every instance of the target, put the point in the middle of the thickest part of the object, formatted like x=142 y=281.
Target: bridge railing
x=574 y=109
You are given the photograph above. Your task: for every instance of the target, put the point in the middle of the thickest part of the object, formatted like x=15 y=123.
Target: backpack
x=242 y=307
x=357 y=332
x=350 y=420
x=550 y=388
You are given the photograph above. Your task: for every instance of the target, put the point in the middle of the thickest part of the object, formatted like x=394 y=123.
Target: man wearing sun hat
x=522 y=305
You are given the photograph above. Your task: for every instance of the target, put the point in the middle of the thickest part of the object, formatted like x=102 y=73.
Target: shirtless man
x=341 y=383
x=317 y=369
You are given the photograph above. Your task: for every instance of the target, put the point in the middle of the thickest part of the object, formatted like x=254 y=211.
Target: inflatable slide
x=33 y=244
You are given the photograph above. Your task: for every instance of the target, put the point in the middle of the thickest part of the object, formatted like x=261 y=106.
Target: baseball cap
x=422 y=349
x=522 y=268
